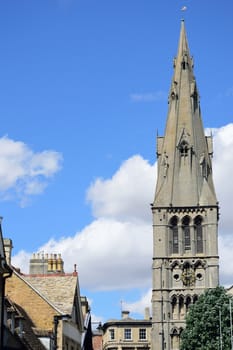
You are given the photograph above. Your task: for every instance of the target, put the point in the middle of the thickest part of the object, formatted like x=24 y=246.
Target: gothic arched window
x=181 y=308
x=175 y=338
x=174 y=235
x=186 y=233
x=188 y=302
x=175 y=310
x=198 y=234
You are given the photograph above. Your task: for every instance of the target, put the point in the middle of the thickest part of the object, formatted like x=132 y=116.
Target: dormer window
x=205 y=168
x=185 y=61
x=183 y=144
x=183 y=148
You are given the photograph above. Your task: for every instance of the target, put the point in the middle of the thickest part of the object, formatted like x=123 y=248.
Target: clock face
x=188 y=277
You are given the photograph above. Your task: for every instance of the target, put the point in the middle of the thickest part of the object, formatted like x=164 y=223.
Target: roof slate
x=59 y=290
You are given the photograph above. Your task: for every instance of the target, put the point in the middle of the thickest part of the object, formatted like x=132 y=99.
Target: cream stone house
x=52 y=302
x=127 y=333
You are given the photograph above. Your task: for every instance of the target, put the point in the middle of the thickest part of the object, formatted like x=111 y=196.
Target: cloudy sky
x=83 y=93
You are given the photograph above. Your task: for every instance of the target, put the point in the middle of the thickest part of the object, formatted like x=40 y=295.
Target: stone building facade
x=185 y=209
x=127 y=333
x=53 y=304
x=5 y=273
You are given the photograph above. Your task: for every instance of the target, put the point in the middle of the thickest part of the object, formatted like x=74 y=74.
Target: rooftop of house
x=126 y=320
x=58 y=289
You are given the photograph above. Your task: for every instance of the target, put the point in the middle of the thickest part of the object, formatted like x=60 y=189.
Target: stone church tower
x=185 y=209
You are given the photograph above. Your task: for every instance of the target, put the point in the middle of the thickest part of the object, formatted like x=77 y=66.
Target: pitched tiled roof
x=59 y=290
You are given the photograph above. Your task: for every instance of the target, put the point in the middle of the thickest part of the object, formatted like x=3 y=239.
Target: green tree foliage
x=208 y=322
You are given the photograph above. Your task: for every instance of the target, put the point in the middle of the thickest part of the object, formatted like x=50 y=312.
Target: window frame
x=127 y=333
x=142 y=334
x=112 y=334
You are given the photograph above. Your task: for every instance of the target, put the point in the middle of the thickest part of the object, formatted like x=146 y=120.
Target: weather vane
x=184 y=9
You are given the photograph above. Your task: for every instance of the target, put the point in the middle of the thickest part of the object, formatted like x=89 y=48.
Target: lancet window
x=186 y=233
x=175 y=311
x=179 y=306
x=174 y=235
x=188 y=302
x=198 y=234
x=175 y=339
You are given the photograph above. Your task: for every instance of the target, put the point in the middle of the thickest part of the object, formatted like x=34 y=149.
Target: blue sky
x=83 y=91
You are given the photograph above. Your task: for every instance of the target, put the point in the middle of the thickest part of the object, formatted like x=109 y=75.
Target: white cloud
x=115 y=250
x=105 y=253
x=223 y=173
x=106 y=250
x=23 y=172
x=128 y=194
x=140 y=305
x=21 y=260
x=226 y=262
x=45 y=163
x=148 y=96
x=34 y=187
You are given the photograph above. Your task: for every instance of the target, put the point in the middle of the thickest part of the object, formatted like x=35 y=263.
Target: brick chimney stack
x=124 y=314
x=8 y=246
x=55 y=264
x=147 y=313
x=45 y=264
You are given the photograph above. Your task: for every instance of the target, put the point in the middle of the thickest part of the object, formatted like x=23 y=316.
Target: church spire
x=185 y=209
x=184 y=153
